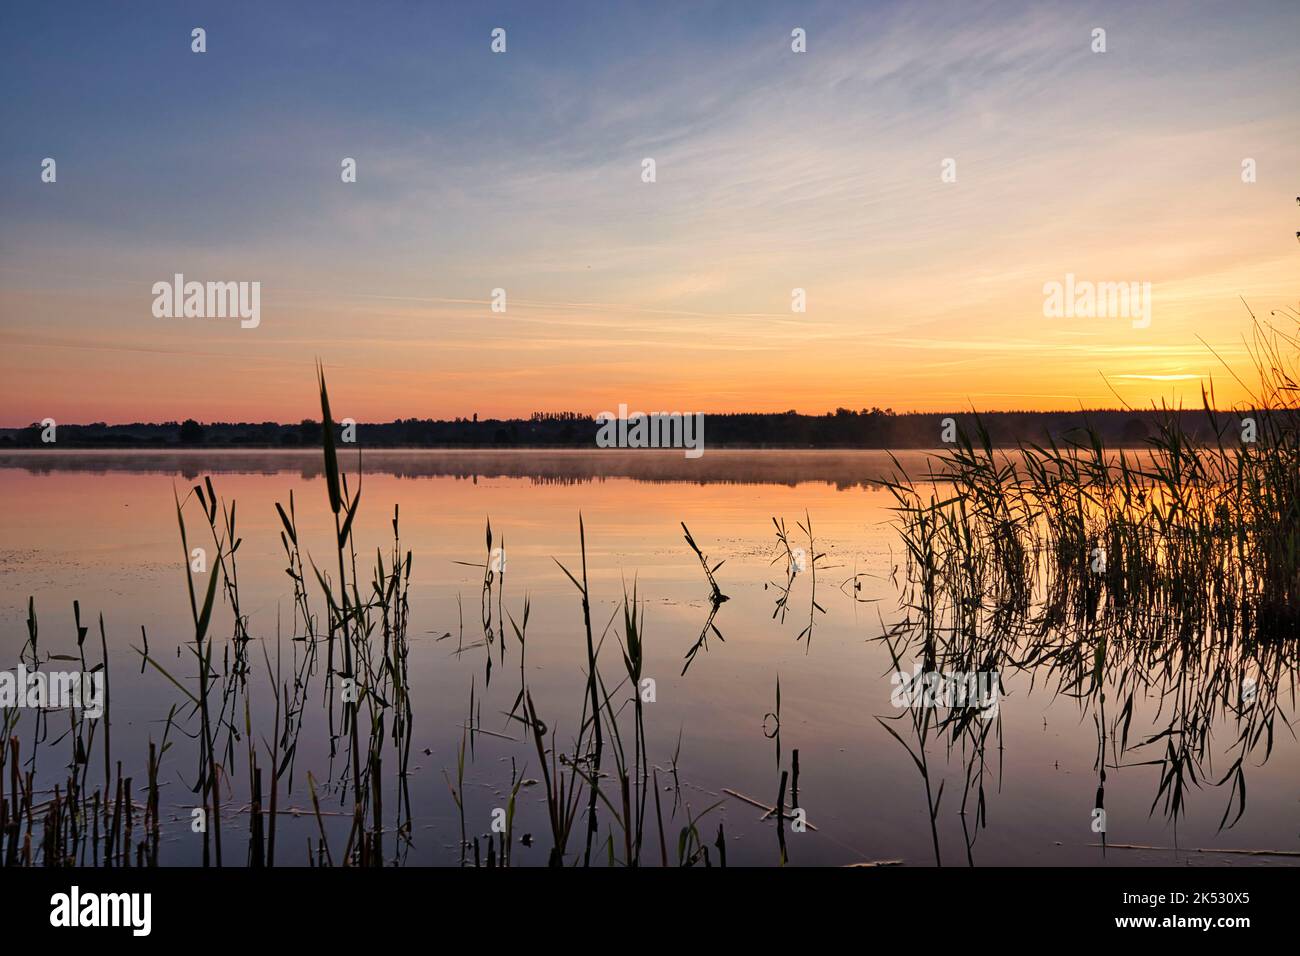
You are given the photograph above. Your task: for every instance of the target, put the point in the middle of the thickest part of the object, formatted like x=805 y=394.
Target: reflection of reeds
x=1173 y=574
x=717 y=597
x=793 y=567
x=702 y=642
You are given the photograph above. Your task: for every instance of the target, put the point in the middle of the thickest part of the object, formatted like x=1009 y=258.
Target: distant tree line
x=843 y=428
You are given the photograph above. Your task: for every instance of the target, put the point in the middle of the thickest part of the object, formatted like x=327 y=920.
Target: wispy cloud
x=776 y=171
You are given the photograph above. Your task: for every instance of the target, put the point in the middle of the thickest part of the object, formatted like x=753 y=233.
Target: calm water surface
x=101 y=528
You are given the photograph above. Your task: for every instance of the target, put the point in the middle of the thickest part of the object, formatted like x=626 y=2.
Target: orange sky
x=775 y=171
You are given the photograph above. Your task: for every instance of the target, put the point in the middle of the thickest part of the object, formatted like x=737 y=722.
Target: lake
x=101 y=528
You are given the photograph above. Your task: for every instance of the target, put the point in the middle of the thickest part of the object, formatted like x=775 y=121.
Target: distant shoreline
x=842 y=430
x=64 y=448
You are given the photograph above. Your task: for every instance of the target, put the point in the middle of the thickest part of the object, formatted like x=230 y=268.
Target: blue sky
x=521 y=171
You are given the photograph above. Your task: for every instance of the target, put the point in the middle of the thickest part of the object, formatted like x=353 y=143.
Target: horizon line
x=473 y=418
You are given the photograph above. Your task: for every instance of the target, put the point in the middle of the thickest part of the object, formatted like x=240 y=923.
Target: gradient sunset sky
x=775 y=170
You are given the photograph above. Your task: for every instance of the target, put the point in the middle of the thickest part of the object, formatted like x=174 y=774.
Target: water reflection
x=541 y=467
x=1106 y=711
x=993 y=587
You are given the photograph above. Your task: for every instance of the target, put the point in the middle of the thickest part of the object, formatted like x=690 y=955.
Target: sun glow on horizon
x=825 y=173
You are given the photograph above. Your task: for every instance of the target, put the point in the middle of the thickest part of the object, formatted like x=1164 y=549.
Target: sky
x=774 y=171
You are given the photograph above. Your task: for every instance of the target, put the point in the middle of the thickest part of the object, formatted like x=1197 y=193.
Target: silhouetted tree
x=191 y=432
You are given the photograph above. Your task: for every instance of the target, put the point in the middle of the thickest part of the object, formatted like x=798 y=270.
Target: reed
x=1173 y=571
x=1111 y=575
